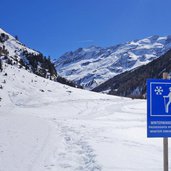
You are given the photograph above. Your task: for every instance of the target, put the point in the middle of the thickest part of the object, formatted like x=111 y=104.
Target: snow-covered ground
x=49 y=126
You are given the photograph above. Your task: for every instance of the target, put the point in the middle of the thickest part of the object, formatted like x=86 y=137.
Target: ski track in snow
x=75 y=145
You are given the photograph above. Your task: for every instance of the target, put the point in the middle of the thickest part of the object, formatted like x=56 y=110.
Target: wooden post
x=165 y=142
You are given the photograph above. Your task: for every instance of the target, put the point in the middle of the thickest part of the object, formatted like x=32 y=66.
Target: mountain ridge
x=94 y=65
x=13 y=52
x=133 y=83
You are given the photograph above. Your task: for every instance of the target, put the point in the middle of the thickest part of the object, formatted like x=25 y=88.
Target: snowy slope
x=15 y=53
x=95 y=65
x=14 y=47
x=45 y=125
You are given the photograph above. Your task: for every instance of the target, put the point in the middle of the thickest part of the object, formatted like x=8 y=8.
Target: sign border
x=151 y=99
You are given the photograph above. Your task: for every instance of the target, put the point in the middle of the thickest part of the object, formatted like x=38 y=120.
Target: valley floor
x=49 y=126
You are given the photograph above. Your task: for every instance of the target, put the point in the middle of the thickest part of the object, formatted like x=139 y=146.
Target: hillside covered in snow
x=13 y=52
x=92 y=66
x=45 y=125
x=13 y=45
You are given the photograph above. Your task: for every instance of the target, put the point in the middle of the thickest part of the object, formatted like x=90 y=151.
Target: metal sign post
x=159 y=112
x=165 y=154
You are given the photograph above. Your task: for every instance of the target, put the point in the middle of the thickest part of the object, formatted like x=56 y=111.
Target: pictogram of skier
x=169 y=101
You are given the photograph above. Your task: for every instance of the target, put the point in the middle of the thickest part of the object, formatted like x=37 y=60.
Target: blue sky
x=57 y=26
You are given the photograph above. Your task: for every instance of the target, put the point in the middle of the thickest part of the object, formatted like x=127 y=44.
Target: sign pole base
x=165 y=154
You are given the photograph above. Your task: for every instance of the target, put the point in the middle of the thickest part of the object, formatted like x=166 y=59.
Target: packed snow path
x=48 y=126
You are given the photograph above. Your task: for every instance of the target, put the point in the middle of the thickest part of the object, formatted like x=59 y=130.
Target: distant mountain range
x=92 y=66
x=133 y=83
x=118 y=70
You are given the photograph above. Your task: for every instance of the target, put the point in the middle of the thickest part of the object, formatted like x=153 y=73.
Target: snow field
x=49 y=126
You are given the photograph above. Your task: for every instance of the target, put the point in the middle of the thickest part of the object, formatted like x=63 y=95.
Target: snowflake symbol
x=158 y=90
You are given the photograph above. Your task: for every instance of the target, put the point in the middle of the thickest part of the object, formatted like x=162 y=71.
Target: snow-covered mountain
x=45 y=125
x=15 y=53
x=92 y=66
x=13 y=47
x=133 y=83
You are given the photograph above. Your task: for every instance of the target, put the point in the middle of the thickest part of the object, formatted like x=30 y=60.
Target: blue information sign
x=158 y=108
